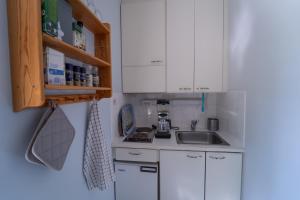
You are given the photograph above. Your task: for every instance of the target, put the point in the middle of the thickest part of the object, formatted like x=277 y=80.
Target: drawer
x=137 y=155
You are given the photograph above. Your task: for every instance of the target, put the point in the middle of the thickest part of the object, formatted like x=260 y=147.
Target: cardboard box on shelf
x=54 y=62
x=49 y=17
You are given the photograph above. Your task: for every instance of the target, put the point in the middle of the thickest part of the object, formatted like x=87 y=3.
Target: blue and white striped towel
x=97 y=162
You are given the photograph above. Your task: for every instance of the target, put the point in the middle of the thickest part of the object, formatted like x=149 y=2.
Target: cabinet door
x=143 y=32
x=209 y=30
x=136 y=182
x=144 y=79
x=180 y=45
x=182 y=175
x=143 y=46
x=223 y=176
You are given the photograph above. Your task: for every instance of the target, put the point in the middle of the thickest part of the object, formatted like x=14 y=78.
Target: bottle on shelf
x=83 y=76
x=79 y=39
x=96 y=79
x=89 y=76
x=69 y=74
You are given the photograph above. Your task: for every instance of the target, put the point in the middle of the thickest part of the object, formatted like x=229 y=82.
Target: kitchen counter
x=171 y=144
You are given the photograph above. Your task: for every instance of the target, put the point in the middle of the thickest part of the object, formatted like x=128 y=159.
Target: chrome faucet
x=194 y=124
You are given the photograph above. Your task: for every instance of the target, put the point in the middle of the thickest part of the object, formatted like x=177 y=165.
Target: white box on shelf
x=54 y=63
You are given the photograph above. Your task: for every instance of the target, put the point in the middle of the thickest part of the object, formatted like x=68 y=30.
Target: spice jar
x=89 y=76
x=76 y=70
x=69 y=74
x=96 y=79
x=83 y=76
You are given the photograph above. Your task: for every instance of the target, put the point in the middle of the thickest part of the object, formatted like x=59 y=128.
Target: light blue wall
x=21 y=180
x=265 y=61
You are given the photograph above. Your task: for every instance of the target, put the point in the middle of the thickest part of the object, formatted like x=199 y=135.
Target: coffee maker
x=164 y=123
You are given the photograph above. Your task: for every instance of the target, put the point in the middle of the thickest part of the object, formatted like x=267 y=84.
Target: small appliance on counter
x=213 y=124
x=128 y=128
x=164 y=123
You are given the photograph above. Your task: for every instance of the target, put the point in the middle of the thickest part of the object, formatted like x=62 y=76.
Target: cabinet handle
x=217 y=157
x=203 y=88
x=134 y=154
x=194 y=157
x=156 y=61
x=148 y=169
x=185 y=89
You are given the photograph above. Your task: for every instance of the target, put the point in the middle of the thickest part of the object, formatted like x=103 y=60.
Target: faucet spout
x=194 y=124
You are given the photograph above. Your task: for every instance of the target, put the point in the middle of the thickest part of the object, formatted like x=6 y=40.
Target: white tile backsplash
x=181 y=111
x=231 y=108
x=228 y=107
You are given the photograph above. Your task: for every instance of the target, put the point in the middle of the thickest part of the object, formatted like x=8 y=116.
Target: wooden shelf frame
x=26 y=55
x=68 y=87
x=73 y=98
x=73 y=52
x=82 y=13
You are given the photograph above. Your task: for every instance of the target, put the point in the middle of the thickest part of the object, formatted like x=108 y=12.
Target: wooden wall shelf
x=26 y=54
x=82 y=13
x=73 y=52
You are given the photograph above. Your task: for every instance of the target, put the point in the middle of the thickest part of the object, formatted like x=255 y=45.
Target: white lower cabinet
x=223 y=176
x=136 y=181
x=182 y=175
x=186 y=175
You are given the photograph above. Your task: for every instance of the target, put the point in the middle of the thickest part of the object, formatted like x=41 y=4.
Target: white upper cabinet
x=143 y=45
x=223 y=176
x=209 y=43
x=182 y=175
x=173 y=46
x=180 y=45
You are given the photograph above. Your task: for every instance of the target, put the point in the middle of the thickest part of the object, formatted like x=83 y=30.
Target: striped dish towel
x=97 y=162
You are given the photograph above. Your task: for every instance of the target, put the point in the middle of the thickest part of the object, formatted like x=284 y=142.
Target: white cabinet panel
x=180 y=45
x=143 y=32
x=136 y=181
x=209 y=30
x=149 y=79
x=143 y=46
x=223 y=176
x=137 y=155
x=182 y=175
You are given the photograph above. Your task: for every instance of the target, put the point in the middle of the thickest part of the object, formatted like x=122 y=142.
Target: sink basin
x=200 y=137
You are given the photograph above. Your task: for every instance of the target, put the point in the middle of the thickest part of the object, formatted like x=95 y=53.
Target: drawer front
x=139 y=155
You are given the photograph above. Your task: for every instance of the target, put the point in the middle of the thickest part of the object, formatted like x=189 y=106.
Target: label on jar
x=89 y=80
x=96 y=81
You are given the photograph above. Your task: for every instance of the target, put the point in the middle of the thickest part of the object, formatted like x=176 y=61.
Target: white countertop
x=171 y=144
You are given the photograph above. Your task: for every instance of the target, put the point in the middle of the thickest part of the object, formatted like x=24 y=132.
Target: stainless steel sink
x=200 y=137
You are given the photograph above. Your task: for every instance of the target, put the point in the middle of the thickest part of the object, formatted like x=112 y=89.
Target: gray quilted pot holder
x=29 y=155
x=54 y=140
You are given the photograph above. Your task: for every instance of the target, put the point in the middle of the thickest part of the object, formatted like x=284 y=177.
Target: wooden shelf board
x=72 y=98
x=68 y=87
x=82 y=13
x=73 y=52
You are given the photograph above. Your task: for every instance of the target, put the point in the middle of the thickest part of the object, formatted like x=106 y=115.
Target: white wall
x=265 y=61
x=21 y=180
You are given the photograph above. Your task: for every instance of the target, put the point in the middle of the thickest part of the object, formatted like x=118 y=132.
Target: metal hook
x=52 y=104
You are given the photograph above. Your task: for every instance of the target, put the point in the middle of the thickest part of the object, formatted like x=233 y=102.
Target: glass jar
x=96 y=79
x=69 y=74
x=83 y=76
x=89 y=76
